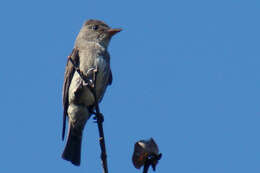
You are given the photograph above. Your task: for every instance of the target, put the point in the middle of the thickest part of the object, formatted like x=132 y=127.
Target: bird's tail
x=72 y=151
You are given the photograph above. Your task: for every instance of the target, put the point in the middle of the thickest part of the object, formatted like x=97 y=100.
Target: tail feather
x=72 y=151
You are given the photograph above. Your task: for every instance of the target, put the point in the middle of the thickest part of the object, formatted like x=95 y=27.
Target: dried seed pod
x=145 y=150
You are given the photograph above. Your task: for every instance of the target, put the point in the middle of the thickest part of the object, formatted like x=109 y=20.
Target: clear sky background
x=185 y=73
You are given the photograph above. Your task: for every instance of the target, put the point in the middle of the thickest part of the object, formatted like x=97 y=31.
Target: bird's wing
x=69 y=72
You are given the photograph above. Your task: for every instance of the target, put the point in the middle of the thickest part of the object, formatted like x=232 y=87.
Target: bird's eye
x=95 y=27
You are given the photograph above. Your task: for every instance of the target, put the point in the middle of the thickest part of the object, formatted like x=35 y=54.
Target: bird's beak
x=112 y=32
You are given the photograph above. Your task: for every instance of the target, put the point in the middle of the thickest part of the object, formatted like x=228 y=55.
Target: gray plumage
x=91 y=56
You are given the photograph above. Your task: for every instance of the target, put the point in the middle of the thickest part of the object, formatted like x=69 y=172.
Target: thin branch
x=146 y=166
x=151 y=160
x=101 y=133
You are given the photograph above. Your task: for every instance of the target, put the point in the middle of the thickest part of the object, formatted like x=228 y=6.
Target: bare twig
x=101 y=133
x=99 y=117
x=146 y=167
x=151 y=160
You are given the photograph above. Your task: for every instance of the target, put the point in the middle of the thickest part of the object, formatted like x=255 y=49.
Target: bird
x=92 y=58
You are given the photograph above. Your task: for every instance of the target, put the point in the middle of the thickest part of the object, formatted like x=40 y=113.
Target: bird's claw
x=89 y=81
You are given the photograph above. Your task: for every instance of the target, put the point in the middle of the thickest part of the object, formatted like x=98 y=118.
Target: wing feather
x=69 y=72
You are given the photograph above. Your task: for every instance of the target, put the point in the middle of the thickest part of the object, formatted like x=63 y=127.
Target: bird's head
x=97 y=31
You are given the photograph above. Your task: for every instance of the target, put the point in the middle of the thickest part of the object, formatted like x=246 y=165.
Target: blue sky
x=185 y=73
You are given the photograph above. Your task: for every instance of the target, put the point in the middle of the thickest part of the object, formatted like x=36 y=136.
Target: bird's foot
x=88 y=79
